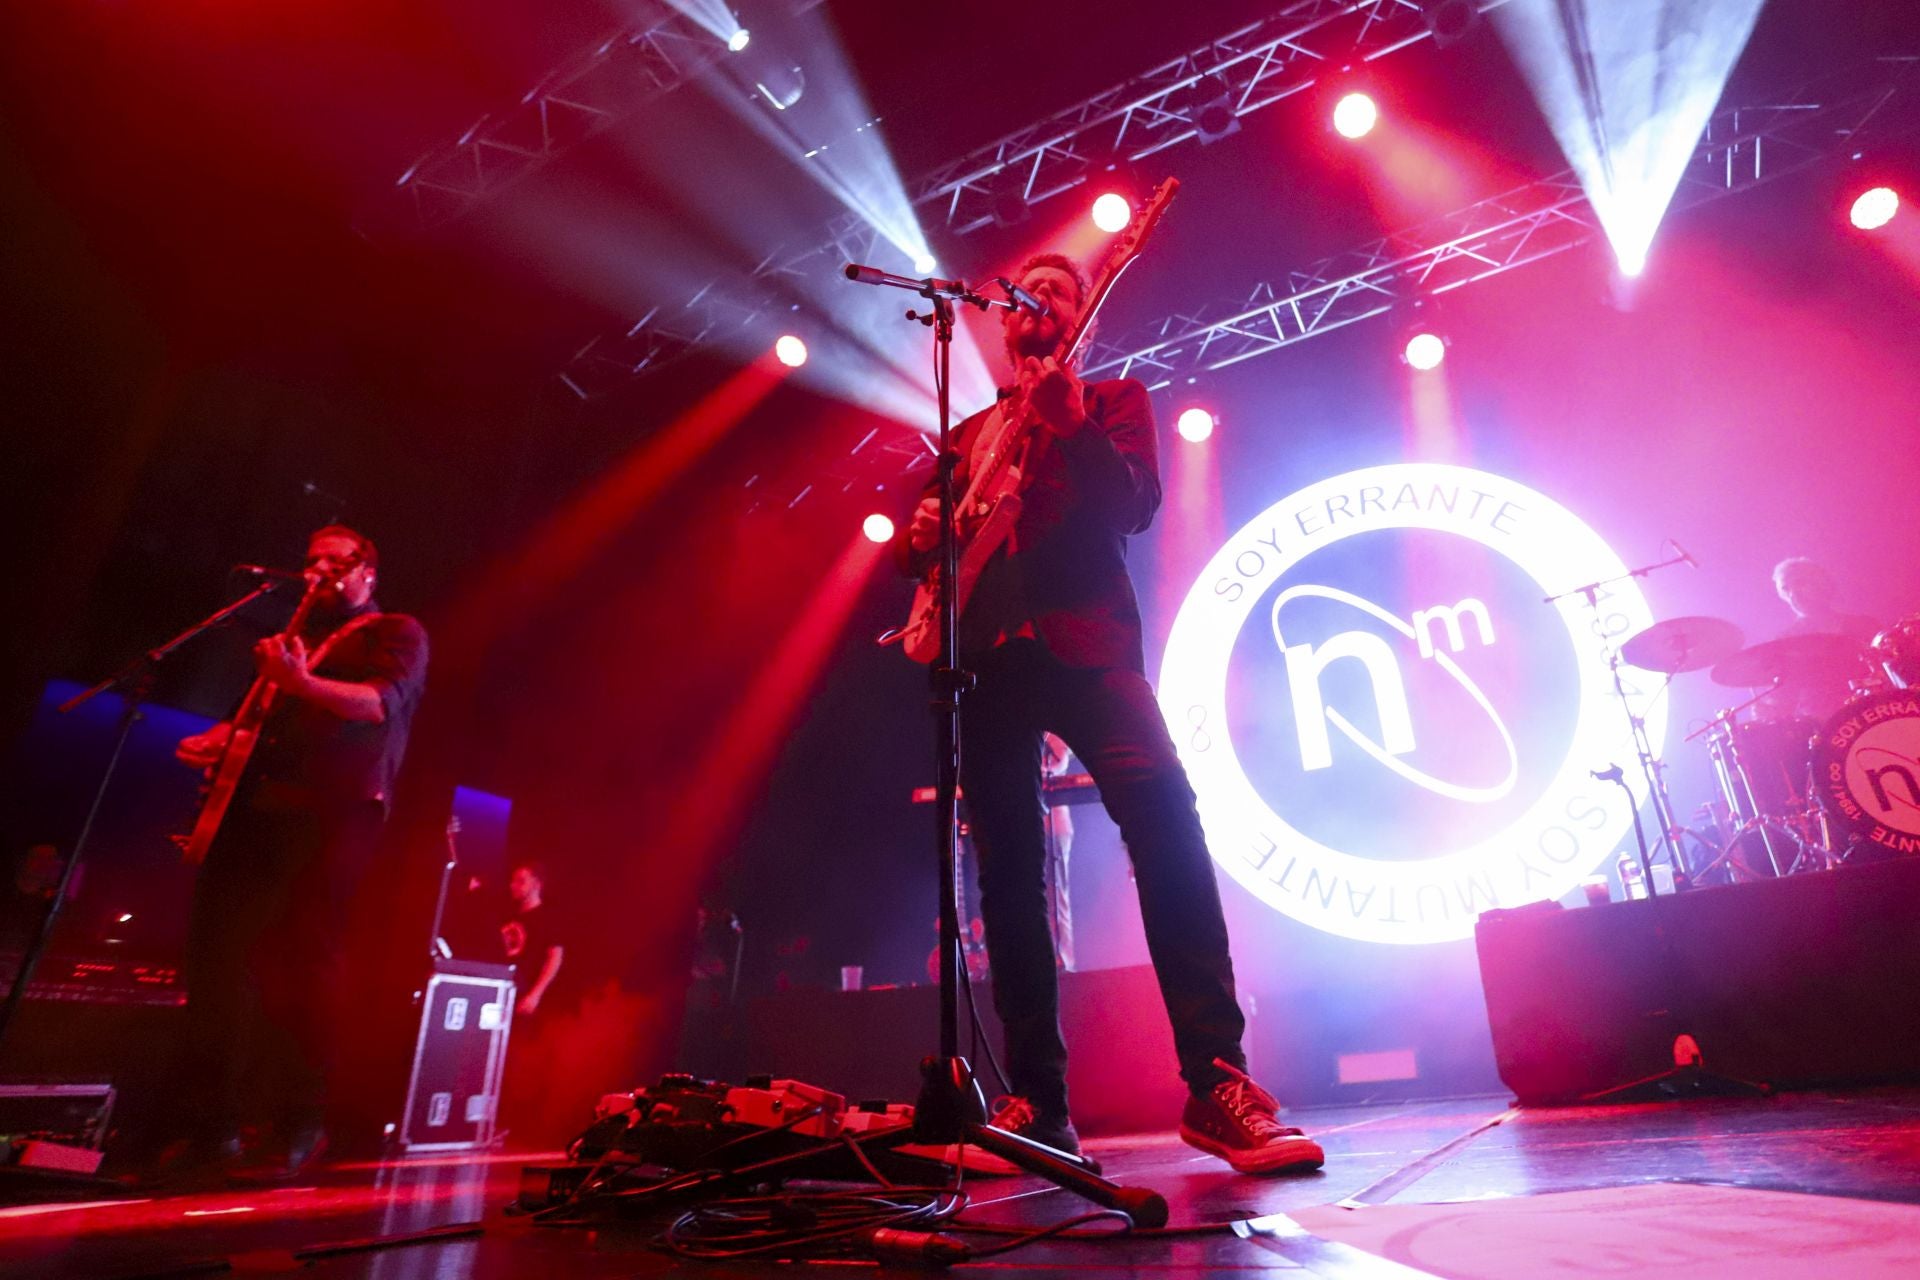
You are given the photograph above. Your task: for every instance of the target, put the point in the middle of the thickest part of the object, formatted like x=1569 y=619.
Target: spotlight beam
x=1741 y=147
x=1260 y=64
x=1627 y=86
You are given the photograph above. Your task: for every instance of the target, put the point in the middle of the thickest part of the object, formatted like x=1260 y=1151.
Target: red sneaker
x=1236 y=1121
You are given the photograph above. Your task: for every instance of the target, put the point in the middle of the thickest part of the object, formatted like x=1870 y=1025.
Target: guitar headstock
x=1134 y=235
x=1120 y=255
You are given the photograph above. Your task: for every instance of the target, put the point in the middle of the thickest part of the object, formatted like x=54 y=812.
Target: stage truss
x=1741 y=148
x=1242 y=72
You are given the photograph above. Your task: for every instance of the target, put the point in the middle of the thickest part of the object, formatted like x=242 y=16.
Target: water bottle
x=1632 y=883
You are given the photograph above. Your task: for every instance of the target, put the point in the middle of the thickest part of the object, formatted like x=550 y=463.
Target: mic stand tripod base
x=1686 y=1078
x=950 y=1111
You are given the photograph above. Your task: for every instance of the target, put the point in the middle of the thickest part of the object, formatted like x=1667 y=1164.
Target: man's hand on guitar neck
x=1056 y=396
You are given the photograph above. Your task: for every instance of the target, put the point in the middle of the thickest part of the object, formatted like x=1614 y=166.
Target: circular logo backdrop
x=1388 y=730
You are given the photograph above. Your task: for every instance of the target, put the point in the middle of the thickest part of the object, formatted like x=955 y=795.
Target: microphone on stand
x=267 y=571
x=1024 y=300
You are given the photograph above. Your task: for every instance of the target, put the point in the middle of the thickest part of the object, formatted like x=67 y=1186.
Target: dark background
x=207 y=361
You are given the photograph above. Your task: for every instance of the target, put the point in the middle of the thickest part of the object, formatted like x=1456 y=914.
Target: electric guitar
x=991 y=507
x=242 y=738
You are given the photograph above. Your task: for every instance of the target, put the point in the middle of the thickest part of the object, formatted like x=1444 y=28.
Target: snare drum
x=1866 y=774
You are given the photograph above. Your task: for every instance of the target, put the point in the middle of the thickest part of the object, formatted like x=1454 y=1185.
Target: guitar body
x=244 y=736
x=991 y=508
x=222 y=786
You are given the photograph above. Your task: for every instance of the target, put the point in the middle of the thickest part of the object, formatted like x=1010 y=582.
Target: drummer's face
x=1805 y=590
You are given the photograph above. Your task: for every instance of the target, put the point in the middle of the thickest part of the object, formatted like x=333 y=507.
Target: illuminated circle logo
x=1387 y=771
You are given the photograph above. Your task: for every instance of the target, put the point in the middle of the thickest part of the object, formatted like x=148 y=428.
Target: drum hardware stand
x=951 y=1108
x=1738 y=785
x=1650 y=766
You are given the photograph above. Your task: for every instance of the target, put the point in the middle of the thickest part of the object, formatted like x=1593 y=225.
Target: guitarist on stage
x=268 y=938
x=1053 y=633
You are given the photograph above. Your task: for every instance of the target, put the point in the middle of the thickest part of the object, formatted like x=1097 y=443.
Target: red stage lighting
x=1425 y=350
x=1112 y=212
x=1355 y=115
x=1874 y=208
x=877 y=527
x=1195 y=424
x=790 y=351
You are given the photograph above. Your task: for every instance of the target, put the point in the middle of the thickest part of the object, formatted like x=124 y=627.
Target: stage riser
x=1812 y=979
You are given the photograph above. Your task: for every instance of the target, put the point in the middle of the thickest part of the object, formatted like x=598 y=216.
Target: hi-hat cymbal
x=1683 y=644
x=1819 y=655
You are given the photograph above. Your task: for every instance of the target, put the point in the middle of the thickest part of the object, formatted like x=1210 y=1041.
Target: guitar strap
x=352 y=625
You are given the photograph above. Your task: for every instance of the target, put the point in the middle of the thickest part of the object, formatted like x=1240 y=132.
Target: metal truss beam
x=660 y=51
x=1248 y=69
x=1740 y=148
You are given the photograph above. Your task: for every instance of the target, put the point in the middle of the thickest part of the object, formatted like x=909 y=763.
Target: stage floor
x=1803 y=1184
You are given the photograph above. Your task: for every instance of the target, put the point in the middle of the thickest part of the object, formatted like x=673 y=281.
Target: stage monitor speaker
x=1801 y=981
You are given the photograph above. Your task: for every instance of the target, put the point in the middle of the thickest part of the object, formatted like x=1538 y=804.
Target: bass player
x=267 y=945
x=1052 y=632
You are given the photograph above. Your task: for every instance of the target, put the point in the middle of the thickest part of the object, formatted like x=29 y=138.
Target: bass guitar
x=985 y=516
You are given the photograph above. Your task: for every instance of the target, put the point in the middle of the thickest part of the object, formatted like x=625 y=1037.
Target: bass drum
x=1866 y=774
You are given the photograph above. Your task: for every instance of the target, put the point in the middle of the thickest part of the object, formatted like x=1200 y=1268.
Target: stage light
x=1208 y=104
x=925 y=263
x=1449 y=20
x=790 y=350
x=1425 y=350
x=1875 y=208
x=738 y=40
x=1112 y=212
x=877 y=528
x=125 y=916
x=1355 y=115
x=1194 y=424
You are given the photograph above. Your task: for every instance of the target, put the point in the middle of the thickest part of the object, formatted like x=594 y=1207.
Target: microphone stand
x=1688 y=1074
x=951 y=1108
x=135 y=681
x=1642 y=745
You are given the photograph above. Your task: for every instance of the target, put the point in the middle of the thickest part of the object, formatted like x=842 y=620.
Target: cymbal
x=1683 y=644
x=1818 y=655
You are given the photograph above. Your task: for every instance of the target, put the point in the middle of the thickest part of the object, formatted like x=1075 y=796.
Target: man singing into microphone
x=267 y=941
x=1053 y=633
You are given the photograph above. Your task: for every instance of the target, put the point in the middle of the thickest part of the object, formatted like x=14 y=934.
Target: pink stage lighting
x=877 y=528
x=1425 y=351
x=790 y=351
x=1875 y=208
x=1355 y=115
x=1112 y=212
x=1194 y=424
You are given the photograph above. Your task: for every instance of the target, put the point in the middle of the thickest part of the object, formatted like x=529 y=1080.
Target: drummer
x=1808 y=589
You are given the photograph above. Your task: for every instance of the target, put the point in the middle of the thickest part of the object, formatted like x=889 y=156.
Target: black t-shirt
x=525 y=940
x=305 y=746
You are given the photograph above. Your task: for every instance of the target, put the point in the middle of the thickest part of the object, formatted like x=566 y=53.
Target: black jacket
x=1065 y=572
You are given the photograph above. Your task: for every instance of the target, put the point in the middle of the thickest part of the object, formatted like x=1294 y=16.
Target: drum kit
x=1796 y=793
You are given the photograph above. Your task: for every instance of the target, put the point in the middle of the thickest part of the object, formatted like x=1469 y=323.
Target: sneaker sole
x=1290 y=1154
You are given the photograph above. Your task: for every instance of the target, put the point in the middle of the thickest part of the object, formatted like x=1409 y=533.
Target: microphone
x=1024 y=300
x=1691 y=563
x=267 y=571
x=874 y=275
x=1609 y=774
x=311 y=490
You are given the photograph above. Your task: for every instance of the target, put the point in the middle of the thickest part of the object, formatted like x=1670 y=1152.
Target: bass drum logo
x=1388 y=730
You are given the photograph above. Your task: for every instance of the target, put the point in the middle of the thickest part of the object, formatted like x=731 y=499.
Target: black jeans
x=267 y=960
x=1110 y=719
